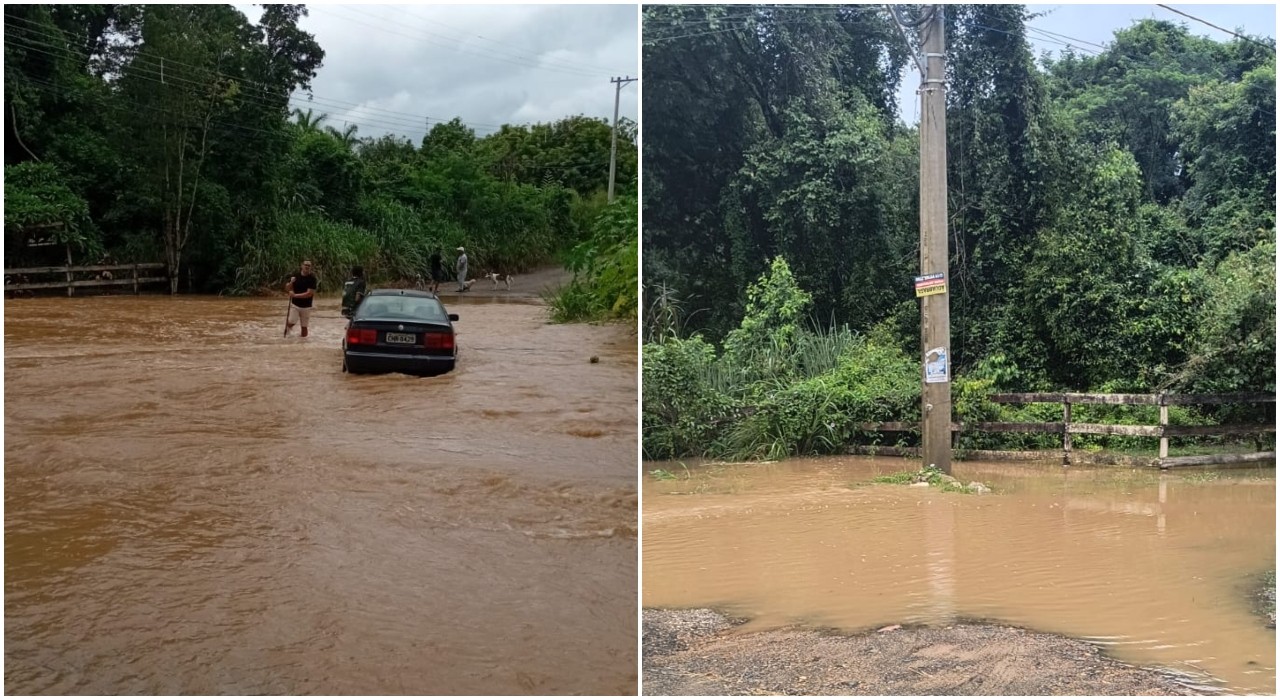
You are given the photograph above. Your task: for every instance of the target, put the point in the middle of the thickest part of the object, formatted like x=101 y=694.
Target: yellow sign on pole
x=927 y=285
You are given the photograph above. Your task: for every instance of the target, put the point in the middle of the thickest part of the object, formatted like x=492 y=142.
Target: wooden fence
x=15 y=279
x=1067 y=428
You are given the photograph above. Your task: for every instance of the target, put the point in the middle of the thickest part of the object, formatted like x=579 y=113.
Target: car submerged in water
x=400 y=330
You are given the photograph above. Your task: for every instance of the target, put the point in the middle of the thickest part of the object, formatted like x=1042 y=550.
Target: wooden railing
x=15 y=280
x=1067 y=428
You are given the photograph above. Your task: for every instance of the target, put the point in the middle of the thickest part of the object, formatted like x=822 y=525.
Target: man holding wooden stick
x=302 y=290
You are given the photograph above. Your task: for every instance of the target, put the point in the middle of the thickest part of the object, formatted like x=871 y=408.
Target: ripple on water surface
x=1154 y=568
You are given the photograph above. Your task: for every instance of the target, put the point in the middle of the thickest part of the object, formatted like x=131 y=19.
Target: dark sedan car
x=400 y=330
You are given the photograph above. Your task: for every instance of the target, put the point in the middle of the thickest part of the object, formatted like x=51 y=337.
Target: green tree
x=1233 y=344
x=37 y=199
x=726 y=82
x=1226 y=133
x=763 y=343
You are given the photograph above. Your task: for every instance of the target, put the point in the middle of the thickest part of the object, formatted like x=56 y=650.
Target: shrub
x=683 y=411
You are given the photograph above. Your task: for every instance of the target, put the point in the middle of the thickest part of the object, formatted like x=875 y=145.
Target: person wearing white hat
x=461 y=267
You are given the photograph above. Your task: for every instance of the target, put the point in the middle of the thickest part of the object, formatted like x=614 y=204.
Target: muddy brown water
x=1156 y=569
x=195 y=505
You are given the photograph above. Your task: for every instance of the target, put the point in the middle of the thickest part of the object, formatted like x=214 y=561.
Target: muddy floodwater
x=195 y=505
x=1155 y=569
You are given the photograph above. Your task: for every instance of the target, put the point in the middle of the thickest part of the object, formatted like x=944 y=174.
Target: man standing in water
x=437 y=272
x=462 y=269
x=353 y=291
x=301 y=289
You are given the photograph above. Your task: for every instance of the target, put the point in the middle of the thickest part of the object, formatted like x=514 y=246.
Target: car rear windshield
x=408 y=308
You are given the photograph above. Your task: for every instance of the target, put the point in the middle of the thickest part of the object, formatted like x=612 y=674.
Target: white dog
x=499 y=277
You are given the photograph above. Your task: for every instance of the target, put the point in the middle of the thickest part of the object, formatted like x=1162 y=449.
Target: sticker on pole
x=927 y=285
x=936 y=370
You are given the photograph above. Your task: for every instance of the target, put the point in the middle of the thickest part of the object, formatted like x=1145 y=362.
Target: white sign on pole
x=936 y=369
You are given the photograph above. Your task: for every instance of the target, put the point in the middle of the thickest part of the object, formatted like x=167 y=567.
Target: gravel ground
x=1267 y=597
x=701 y=652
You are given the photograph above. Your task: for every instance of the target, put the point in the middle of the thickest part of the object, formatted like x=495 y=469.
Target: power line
x=52 y=87
x=916 y=23
x=674 y=21
x=272 y=91
x=1064 y=36
x=1024 y=36
x=504 y=56
x=833 y=17
x=142 y=72
x=517 y=51
x=1071 y=42
x=1228 y=31
x=523 y=64
x=141 y=69
x=656 y=40
x=369 y=124
x=736 y=27
x=137 y=109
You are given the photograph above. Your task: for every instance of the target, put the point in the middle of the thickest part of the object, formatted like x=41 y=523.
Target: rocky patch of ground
x=1266 y=597
x=701 y=652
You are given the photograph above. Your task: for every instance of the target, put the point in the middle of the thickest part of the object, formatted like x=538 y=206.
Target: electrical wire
x=139 y=109
x=1024 y=36
x=1228 y=31
x=329 y=9
x=674 y=21
x=152 y=75
x=140 y=68
x=369 y=125
x=917 y=23
x=272 y=91
x=517 y=50
x=727 y=20
x=902 y=22
x=1033 y=28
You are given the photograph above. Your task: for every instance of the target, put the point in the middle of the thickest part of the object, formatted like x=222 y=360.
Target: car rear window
x=409 y=308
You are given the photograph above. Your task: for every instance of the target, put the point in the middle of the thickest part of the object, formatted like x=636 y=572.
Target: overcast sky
x=1097 y=24
x=391 y=68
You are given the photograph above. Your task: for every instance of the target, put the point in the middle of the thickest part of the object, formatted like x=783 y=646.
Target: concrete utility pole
x=613 y=154
x=935 y=311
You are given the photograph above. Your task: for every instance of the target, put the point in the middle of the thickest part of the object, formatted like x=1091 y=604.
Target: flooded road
x=194 y=505
x=1155 y=569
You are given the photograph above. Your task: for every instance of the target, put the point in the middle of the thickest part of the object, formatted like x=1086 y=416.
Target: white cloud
x=389 y=68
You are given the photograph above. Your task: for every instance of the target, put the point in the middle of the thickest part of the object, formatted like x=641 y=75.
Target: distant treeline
x=1112 y=212
x=165 y=133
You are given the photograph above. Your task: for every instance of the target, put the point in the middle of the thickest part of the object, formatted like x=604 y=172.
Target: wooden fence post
x=70 y=279
x=1164 y=423
x=135 y=279
x=1066 y=430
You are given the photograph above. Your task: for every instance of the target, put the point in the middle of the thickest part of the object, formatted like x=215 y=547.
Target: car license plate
x=402 y=338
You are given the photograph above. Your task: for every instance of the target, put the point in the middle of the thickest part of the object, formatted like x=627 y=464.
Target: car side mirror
x=453 y=317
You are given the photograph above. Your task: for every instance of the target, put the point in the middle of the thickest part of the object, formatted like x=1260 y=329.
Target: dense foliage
x=605 y=268
x=1112 y=216
x=780 y=385
x=165 y=132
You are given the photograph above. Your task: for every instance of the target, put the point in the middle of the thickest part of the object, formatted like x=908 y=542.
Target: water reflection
x=1155 y=567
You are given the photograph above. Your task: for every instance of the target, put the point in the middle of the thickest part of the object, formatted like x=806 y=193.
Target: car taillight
x=438 y=341
x=362 y=336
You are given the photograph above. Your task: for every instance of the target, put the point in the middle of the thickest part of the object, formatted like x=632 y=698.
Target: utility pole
x=613 y=154
x=935 y=311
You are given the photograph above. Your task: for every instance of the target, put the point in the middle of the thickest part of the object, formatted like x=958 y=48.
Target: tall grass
x=819 y=350
x=605 y=269
x=840 y=379
x=503 y=228
x=804 y=396
x=274 y=254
